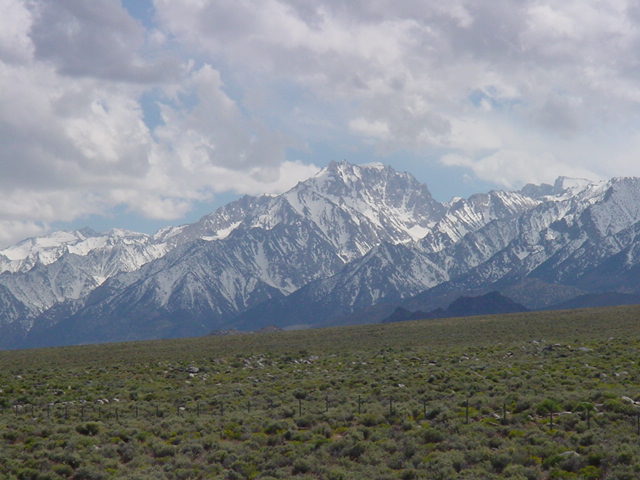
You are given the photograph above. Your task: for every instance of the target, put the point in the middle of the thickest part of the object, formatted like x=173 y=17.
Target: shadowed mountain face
x=346 y=246
x=491 y=303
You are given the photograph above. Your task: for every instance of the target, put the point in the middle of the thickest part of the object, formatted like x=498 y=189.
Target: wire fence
x=460 y=410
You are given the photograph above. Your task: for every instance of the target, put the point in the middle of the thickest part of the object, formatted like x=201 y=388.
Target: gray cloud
x=96 y=39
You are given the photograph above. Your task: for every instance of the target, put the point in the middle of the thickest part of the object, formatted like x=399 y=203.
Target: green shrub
x=90 y=429
x=88 y=474
x=431 y=435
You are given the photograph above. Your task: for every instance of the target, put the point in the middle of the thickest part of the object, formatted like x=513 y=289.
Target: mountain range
x=348 y=245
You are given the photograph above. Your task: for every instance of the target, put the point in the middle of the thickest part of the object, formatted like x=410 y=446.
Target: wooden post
x=466 y=411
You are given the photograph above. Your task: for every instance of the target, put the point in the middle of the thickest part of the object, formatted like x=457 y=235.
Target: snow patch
x=222 y=233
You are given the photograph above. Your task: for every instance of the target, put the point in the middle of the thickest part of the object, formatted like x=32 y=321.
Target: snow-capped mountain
x=47 y=249
x=501 y=237
x=41 y=272
x=464 y=216
x=347 y=239
x=249 y=250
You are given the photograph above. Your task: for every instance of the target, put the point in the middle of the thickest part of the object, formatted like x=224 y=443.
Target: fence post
x=466 y=411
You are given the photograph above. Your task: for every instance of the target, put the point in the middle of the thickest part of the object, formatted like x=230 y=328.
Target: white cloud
x=376 y=128
x=512 y=91
x=507 y=168
x=403 y=75
x=73 y=132
x=12 y=231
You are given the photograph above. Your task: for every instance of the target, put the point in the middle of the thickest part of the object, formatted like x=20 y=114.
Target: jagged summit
x=562 y=185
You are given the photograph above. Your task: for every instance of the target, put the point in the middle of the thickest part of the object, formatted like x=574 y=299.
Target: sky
x=144 y=113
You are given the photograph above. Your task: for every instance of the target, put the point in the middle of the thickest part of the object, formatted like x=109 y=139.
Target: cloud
x=74 y=136
x=507 y=168
x=15 y=45
x=13 y=231
x=96 y=39
x=99 y=109
x=376 y=129
x=404 y=76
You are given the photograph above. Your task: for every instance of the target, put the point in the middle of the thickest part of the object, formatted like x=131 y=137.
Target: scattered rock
x=569 y=453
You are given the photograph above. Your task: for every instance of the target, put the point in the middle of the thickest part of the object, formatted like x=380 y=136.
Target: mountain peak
x=394 y=204
x=350 y=172
x=562 y=184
